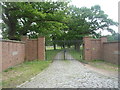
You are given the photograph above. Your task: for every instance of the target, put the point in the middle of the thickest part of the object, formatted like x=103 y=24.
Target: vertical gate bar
x=82 y=51
x=45 y=52
x=64 y=50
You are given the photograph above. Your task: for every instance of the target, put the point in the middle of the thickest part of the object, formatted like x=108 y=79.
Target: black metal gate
x=62 y=50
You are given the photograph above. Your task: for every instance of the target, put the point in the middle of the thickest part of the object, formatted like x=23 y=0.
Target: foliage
x=33 y=19
x=50 y=54
x=54 y=20
x=86 y=21
x=77 y=55
x=19 y=74
x=114 y=37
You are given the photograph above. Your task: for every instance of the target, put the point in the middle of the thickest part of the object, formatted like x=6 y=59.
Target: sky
x=110 y=7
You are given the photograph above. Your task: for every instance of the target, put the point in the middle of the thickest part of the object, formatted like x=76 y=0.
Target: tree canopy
x=54 y=20
x=114 y=37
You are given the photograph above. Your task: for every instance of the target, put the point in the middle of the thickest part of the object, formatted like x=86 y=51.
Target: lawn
x=96 y=63
x=52 y=48
x=77 y=55
x=50 y=54
x=23 y=72
x=104 y=65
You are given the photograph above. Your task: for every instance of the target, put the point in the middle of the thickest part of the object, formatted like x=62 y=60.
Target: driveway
x=69 y=74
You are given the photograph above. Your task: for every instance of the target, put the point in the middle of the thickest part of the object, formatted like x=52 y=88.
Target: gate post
x=87 y=48
x=41 y=48
x=25 y=39
x=103 y=39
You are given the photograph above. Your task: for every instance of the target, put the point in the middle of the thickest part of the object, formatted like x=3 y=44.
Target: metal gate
x=62 y=50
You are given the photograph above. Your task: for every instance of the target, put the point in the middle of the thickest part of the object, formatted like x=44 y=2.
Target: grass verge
x=50 y=54
x=96 y=63
x=77 y=55
x=104 y=65
x=18 y=74
x=23 y=72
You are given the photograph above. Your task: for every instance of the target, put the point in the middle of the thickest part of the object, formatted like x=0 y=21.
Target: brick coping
x=13 y=41
x=111 y=42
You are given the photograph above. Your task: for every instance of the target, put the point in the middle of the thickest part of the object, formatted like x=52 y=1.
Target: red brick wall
x=95 y=49
x=87 y=48
x=111 y=52
x=0 y=56
x=41 y=48
x=103 y=40
x=100 y=49
x=12 y=53
x=31 y=50
x=92 y=48
x=34 y=49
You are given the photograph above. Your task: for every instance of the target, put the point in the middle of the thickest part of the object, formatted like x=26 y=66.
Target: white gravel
x=69 y=74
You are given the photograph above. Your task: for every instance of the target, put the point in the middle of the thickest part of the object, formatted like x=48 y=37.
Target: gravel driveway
x=69 y=74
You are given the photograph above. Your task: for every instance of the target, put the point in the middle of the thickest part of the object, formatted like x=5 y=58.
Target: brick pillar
x=1 y=56
x=103 y=39
x=41 y=48
x=24 y=38
x=87 y=48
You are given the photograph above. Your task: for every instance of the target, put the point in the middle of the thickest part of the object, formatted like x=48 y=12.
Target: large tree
x=86 y=21
x=33 y=18
x=55 y=20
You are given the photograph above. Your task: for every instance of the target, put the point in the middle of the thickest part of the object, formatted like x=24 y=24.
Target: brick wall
x=31 y=50
x=100 y=49
x=34 y=48
x=13 y=53
x=111 y=52
x=87 y=48
x=95 y=48
x=16 y=52
x=41 y=48
x=0 y=56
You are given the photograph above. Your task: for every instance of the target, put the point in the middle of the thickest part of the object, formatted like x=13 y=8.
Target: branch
x=11 y=9
x=49 y=21
x=4 y=19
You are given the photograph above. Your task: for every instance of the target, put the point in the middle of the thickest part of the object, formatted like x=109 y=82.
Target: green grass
x=50 y=54
x=52 y=48
x=66 y=61
x=20 y=73
x=96 y=63
x=104 y=65
x=77 y=55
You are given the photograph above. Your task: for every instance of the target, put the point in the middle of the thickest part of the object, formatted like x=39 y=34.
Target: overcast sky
x=110 y=7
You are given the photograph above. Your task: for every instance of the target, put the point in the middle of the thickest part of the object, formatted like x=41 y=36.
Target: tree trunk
x=77 y=46
x=63 y=46
x=69 y=46
x=54 y=45
x=10 y=21
x=12 y=31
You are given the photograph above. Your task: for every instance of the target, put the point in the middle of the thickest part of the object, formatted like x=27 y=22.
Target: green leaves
x=53 y=19
x=35 y=18
x=86 y=21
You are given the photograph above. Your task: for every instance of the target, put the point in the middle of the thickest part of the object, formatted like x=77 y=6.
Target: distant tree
x=33 y=18
x=113 y=37
x=86 y=21
x=54 y=20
